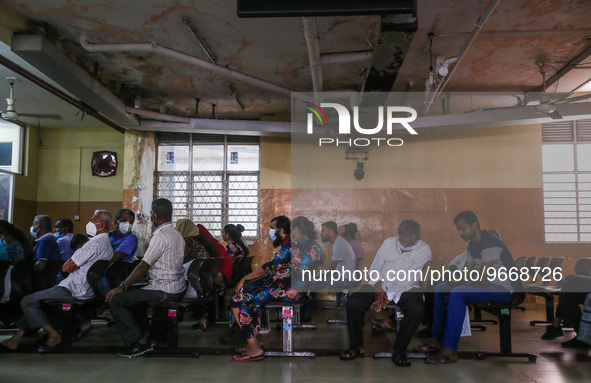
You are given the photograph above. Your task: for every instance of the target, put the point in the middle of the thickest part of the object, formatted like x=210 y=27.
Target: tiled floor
x=554 y=364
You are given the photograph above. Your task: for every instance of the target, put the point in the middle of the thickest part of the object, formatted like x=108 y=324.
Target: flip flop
x=247 y=358
x=400 y=360
x=440 y=359
x=241 y=350
x=427 y=349
x=351 y=354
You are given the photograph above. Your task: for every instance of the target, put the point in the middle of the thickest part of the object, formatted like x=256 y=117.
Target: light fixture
x=359 y=155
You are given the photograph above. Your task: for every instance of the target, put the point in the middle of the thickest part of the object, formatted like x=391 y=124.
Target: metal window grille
x=213 y=198
x=567 y=194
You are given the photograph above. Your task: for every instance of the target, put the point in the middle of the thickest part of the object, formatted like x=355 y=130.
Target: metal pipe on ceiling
x=344 y=57
x=58 y=93
x=160 y=49
x=311 y=36
x=431 y=95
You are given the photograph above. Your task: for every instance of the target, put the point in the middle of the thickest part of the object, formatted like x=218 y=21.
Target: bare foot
x=10 y=344
x=54 y=340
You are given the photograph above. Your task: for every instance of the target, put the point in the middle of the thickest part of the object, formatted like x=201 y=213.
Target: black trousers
x=574 y=291
x=412 y=306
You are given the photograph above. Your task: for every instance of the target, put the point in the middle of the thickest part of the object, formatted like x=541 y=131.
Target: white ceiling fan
x=10 y=114
x=546 y=106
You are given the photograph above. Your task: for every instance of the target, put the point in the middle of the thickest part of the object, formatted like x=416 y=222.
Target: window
x=11 y=147
x=210 y=179
x=566 y=162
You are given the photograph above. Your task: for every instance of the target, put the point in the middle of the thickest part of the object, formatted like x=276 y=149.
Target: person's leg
x=33 y=317
x=584 y=333
x=357 y=306
x=412 y=305
x=440 y=313
x=124 y=308
x=459 y=299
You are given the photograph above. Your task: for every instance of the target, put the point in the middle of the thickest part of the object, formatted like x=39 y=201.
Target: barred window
x=566 y=161
x=210 y=179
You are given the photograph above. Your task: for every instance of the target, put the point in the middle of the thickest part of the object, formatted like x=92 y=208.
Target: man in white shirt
x=75 y=286
x=342 y=259
x=163 y=261
x=401 y=255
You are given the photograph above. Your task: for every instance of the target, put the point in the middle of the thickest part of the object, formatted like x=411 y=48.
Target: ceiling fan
x=546 y=106
x=10 y=114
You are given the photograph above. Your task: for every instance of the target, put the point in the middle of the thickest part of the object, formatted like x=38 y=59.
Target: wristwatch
x=122 y=286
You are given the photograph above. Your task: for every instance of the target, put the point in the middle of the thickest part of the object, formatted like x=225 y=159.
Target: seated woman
x=194 y=248
x=17 y=246
x=232 y=234
x=278 y=286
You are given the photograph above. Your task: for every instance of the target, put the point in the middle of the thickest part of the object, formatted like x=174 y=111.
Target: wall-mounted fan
x=10 y=114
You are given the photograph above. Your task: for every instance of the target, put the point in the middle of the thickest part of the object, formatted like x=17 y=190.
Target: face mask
x=402 y=248
x=124 y=227
x=91 y=229
x=33 y=233
x=3 y=242
x=272 y=234
x=58 y=235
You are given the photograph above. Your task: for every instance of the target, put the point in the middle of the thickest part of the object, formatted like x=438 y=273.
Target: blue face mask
x=272 y=234
x=33 y=232
x=3 y=242
x=58 y=235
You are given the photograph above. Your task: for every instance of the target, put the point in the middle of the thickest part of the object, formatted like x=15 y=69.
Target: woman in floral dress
x=278 y=286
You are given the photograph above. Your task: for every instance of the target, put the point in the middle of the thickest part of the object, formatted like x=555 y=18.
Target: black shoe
x=575 y=343
x=136 y=349
x=400 y=360
x=552 y=332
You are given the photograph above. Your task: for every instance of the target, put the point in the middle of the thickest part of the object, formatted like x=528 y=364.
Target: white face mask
x=124 y=227
x=91 y=229
x=402 y=248
x=33 y=232
x=272 y=234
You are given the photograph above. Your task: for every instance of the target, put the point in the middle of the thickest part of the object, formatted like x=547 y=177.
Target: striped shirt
x=165 y=257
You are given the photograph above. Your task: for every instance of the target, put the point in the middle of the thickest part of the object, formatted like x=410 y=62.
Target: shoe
x=400 y=360
x=136 y=349
x=552 y=333
x=575 y=343
x=351 y=354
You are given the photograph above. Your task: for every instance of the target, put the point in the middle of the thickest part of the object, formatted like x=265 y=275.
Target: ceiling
x=502 y=58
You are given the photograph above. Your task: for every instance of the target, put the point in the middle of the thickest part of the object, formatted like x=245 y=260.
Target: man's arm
x=39 y=266
x=125 y=248
x=70 y=266
x=139 y=271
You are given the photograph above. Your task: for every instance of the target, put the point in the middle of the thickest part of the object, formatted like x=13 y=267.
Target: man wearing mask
x=75 y=286
x=123 y=241
x=45 y=248
x=163 y=261
x=64 y=232
x=400 y=254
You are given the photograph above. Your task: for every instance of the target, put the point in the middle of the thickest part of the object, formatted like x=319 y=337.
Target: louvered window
x=566 y=159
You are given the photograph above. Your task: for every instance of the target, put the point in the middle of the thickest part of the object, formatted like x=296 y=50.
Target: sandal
x=383 y=324
x=351 y=354
x=400 y=360
x=441 y=358
x=82 y=333
x=247 y=358
x=241 y=350
x=427 y=348
x=201 y=327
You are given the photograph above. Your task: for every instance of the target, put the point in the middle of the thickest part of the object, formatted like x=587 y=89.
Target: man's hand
x=112 y=293
x=381 y=300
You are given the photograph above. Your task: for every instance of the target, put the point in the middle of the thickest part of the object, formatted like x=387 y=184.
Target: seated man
x=163 y=261
x=64 y=232
x=75 y=286
x=342 y=258
x=583 y=337
x=124 y=243
x=401 y=254
x=484 y=251
x=45 y=248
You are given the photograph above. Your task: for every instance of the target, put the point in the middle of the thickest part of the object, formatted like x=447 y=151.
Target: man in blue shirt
x=123 y=241
x=46 y=250
x=64 y=232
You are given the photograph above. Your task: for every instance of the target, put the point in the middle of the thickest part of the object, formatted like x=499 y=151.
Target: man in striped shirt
x=163 y=261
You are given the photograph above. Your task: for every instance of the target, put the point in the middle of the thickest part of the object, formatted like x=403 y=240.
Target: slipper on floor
x=241 y=350
x=82 y=333
x=247 y=358
x=351 y=354
x=440 y=359
x=426 y=349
